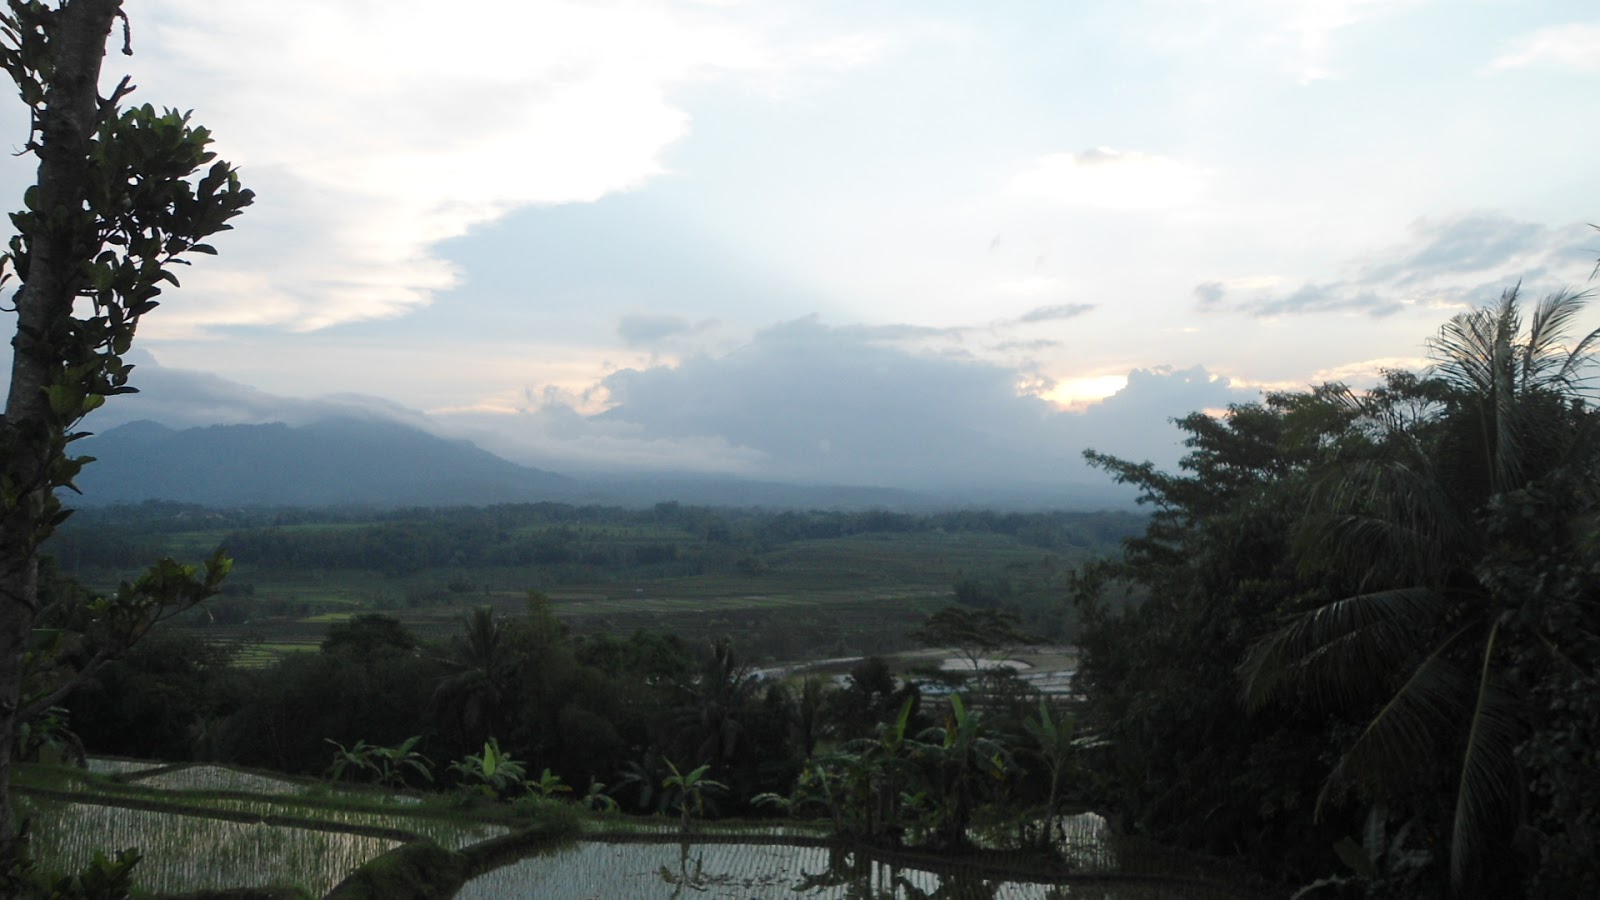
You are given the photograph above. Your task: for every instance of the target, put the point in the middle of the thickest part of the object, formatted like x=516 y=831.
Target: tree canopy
x=1368 y=618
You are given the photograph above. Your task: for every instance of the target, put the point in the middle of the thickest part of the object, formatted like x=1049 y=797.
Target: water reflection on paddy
x=736 y=871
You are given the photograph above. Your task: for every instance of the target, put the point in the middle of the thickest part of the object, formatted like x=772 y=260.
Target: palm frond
x=1485 y=787
x=1552 y=366
x=1392 y=519
x=1405 y=729
x=1509 y=377
x=1466 y=348
x=1339 y=650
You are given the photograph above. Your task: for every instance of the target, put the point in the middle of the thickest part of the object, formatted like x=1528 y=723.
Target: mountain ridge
x=357 y=461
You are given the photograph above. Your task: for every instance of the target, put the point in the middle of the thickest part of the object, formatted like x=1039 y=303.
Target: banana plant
x=493 y=773
x=394 y=763
x=964 y=757
x=352 y=761
x=548 y=785
x=596 y=799
x=386 y=765
x=1055 y=745
x=692 y=789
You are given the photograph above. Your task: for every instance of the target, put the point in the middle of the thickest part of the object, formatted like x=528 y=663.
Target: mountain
x=384 y=463
x=333 y=462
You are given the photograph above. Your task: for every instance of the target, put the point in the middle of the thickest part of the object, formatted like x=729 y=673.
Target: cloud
x=1476 y=242
x=1033 y=345
x=1462 y=260
x=1054 y=313
x=1111 y=179
x=647 y=329
x=1368 y=372
x=185 y=398
x=800 y=402
x=1575 y=46
x=1334 y=297
x=814 y=403
x=374 y=131
x=1298 y=37
x=1308 y=29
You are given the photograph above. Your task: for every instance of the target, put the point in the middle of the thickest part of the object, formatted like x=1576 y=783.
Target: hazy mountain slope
x=338 y=461
x=341 y=462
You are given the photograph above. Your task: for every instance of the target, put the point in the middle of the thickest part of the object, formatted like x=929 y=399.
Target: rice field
x=216 y=778
x=184 y=853
x=752 y=871
x=104 y=765
x=203 y=827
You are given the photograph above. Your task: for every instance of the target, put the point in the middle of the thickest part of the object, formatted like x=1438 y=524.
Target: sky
x=907 y=243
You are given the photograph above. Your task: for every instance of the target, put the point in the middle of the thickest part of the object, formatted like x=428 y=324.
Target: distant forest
x=575 y=542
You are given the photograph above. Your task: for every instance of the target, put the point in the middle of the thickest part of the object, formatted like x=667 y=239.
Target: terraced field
x=204 y=827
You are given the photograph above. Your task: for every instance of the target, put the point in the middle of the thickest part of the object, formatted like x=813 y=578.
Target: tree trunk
x=33 y=433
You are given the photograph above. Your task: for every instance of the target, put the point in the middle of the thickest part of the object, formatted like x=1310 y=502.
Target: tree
x=1465 y=514
x=1175 y=757
x=978 y=635
x=471 y=697
x=115 y=206
x=711 y=721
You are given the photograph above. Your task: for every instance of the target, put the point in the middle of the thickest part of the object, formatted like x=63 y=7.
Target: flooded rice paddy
x=102 y=765
x=757 y=871
x=260 y=831
x=216 y=778
x=189 y=853
x=258 y=834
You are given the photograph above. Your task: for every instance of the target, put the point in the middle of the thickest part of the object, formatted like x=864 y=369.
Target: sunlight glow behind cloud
x=1078 y=394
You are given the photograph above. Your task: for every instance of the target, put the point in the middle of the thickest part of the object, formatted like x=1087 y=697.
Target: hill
x=328 y=463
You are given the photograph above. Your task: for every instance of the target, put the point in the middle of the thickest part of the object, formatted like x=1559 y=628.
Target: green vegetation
x=1368 y=655
x=1353 y=652
x=122 y=196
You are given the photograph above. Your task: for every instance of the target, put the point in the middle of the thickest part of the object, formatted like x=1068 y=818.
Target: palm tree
x=472 y=697
x=1411 y=512
x=709 y=723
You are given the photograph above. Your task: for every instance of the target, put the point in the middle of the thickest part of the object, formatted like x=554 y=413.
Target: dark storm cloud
x=1461 y=260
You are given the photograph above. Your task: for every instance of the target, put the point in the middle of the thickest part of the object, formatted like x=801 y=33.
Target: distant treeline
x=544 y=534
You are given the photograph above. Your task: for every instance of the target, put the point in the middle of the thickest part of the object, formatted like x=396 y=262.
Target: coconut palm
x=710 y=723
x=1411 y=513
x=471 y=697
